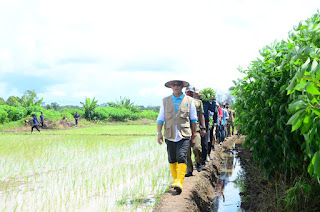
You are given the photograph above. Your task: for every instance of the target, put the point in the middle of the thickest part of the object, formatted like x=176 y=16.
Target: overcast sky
x=67 y=50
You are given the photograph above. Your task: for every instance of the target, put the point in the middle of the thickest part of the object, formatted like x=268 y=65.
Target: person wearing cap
x=230 y=120
x=201 y=132
x=177 y=113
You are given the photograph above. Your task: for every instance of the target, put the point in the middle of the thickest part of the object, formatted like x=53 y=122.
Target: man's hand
x=192 y=140
x=160 y=138
x=203 y=132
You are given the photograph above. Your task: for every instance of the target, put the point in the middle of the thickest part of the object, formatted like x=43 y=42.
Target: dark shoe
x=213 y=148
x=203 y=167
x=199 y=167
x=188 y=174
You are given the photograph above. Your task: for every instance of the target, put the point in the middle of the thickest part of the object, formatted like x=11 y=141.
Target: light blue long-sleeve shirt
x=176 y=102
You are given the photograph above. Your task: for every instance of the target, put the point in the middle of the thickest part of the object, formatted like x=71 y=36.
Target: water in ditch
x=229 y=183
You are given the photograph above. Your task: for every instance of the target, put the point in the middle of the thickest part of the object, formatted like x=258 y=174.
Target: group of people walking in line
x=37 y=123
x=186 y=121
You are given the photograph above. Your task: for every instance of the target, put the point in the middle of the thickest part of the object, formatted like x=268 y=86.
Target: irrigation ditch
x=216 y=189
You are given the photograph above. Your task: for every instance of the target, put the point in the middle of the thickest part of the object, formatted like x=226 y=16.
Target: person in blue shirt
x=178 y=115
x=41 y=119
x=35 y=123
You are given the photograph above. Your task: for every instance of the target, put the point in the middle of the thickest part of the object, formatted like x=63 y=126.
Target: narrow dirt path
x=199 y=189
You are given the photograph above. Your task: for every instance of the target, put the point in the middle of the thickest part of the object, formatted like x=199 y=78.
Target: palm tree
x=89 y=106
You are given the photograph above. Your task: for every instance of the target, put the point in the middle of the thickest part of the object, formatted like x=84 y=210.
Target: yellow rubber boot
x=180 y=177
x=174 y=170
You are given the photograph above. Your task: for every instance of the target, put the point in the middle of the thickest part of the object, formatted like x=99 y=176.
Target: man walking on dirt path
x=76 y=118
x=230 y=121
x=207 y=107
x=201 y=132
x=177 y=114
x=223 y=124
x=215 y=121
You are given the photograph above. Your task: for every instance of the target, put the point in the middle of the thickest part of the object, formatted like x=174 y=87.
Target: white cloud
x=82 y=45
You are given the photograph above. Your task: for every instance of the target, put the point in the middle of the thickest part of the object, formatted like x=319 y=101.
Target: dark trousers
x=41 y=123
x=76 y=121
x=204 y=145
x=211 y=139
x=177 y=151
x=222 y=133
x=35 y=126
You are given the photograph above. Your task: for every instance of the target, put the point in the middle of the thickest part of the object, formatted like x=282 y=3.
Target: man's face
x=176 y=86
x=189 y=93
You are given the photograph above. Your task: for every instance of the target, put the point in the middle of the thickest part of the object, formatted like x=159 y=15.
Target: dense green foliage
x=277 y=104
x=30 y=99
x=2 y=102
x=125 y=103
x=207 y=94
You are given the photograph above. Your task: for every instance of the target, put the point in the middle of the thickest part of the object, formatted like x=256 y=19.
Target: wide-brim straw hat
x=185 y=83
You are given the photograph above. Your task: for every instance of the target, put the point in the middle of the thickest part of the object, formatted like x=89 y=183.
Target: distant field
x=82 y=169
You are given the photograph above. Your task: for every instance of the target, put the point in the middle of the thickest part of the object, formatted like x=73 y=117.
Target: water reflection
x=227 y=192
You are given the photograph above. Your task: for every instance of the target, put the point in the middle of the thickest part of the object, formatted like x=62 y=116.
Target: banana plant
x=89 y=107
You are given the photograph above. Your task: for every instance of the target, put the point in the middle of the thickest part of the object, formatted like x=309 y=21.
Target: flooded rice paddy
x=82 y=171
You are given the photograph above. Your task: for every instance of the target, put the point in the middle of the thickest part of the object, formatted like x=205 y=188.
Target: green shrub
x=6 y=108
x=101 y=113
x=17 y=113
x=3 y=116
x=149 y=114
x=80 y=112
x=34 y=109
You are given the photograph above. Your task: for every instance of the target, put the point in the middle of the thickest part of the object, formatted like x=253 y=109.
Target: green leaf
x=305 y=65
x=312 y=88
x=300 y=86
x=297 y=105
x=318 y=74
x=311 y=167
x=314 y=66
x=294 y=116
x=316 y=164
x=292 y=85
x=316 y=111
x=296 y=124
x=307 y=119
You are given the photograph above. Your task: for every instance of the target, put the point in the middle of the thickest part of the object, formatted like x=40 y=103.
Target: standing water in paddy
x=228 y=198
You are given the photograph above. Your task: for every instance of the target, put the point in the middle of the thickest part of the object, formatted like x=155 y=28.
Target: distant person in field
x=177 y=113
x=35 y=123
x=41 y=119
x=76 y=118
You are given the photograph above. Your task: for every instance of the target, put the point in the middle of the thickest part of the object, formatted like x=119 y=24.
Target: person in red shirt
x=218 y=133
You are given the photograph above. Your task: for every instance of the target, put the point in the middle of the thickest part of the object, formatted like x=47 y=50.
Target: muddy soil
x=199 y=189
